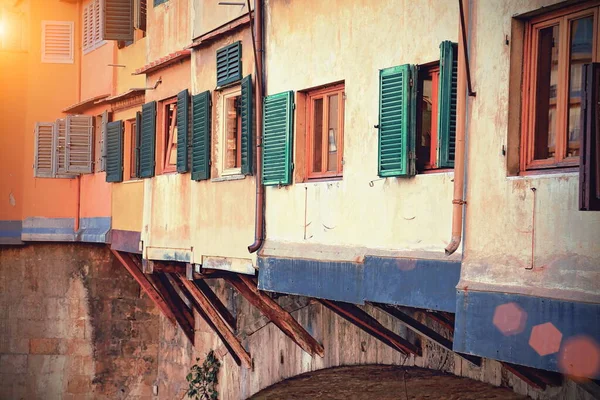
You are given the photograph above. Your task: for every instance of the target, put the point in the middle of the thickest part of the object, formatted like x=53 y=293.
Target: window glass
x=233 y=133
x=317 y=135
x=332 y=132
x=132 y=152
x=546 y=93
x=580 y=46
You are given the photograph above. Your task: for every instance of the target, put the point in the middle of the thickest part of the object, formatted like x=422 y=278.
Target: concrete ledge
x=10 y=232
x=94 y=230
x=501 y=326
x=48 y=229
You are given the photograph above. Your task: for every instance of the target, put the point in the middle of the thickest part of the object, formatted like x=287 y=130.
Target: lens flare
x=545 y=339
x=510 y=319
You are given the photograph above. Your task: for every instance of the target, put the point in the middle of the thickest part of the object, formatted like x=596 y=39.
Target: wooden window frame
x=324 y=94
x=131 y=141
x=165 y=138
x=235 y=92
x=432 y=70
x=562 y=18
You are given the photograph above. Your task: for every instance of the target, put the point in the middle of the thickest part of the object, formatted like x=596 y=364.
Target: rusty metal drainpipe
x=257 y=40
x=458 y=202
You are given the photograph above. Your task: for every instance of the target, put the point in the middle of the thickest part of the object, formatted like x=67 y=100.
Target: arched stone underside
x=382 y=382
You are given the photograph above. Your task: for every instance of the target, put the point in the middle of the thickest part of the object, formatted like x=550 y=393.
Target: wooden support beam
x=216 y=302
x=525 y=375
x=272 y=310
x=168 y=268
x=183 y=314
x=208 y=311
x=441 y=318
x=425 y=331
x=367 y=323
x=127 y=260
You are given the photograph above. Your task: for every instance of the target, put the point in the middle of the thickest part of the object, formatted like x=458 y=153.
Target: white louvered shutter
x=43 y=166
x=79 y=137
x=97 y=24
x=60 y=146
x=117 y=19
x=57 y=42
x=87 y=23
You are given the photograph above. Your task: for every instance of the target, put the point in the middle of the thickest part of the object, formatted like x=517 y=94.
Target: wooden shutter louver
x=147 y=140
x=247 y=131
x=117 y=20
x=397 y=115
x=229 y=64
x=87 y=34
x=277 y=139
x=589 y=157
x=140 y=8
x=44 y=150
x=183 y=100
x=114 y=151
x=201 y=122
x=447 y=104
x=103 y=138
x=79 y=138
x=138 y=140
x=96 y=25
x=60 y=148
x=57 y=42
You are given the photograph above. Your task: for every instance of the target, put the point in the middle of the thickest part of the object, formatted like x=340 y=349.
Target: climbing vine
x=203 y=379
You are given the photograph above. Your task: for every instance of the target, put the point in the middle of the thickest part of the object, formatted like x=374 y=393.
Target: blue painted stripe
x=94 y=230
x=417 y=283
x=476 y=333
x=420 y=283
x=341 y=281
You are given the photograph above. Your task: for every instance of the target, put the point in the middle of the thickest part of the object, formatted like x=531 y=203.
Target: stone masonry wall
x=73 y=325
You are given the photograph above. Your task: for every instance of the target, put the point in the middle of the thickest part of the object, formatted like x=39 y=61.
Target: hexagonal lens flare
x=545 y=339
x=510 y=319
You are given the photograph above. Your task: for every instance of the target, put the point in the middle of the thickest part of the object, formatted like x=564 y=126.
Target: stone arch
x=382 y=382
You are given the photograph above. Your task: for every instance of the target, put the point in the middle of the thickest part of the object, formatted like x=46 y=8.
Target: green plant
x=204 y=379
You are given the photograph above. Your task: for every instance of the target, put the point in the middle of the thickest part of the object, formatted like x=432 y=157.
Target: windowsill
x=225 y=178
x=436 y=171
x=546 y=172
x=324 y=179
x=133 y=180
x=228 y=85
x=95 y=47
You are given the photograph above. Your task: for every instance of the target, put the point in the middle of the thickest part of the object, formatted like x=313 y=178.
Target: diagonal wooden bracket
x=425 y=331
x=367 y=323
x=184 y=316
x=217 y=303
x=134 y=270
x=212 y=317
x=272 y=310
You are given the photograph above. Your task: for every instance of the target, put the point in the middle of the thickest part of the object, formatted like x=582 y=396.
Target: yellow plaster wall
x=209 y=15
x=499 y=228
x=168 y=28
x=96 y=75
x=311 y=43
x=128 y=196
x=132 y=57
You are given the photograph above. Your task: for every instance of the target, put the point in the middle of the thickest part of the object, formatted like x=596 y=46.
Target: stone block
x=13 y=363
x=79 y=347
x=47 y=346
x=122 y=309
x=80 y=365
x=46 y=365
x=79 y=384
x=57 y=308
x=146 y=331
x=29 y=308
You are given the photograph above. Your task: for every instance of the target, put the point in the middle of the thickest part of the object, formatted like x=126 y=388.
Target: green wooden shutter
x=247 y=151
x=138 y=141
x=277 y=139
x=183 y=100
x=147 y=140
x=397 y=117
x=229 y=64
x=201 y=136
x=447 y=104
x=114 y=151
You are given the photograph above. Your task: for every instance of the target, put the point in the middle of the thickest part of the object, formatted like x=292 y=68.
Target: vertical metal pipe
x=458 y=201
x=259 y=224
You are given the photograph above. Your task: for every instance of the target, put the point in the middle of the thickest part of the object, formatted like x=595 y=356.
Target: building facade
x=409 y=173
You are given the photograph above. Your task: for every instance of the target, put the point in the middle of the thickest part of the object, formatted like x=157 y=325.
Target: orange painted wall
x=97 y=78
x=49 y=88
x=168 y=28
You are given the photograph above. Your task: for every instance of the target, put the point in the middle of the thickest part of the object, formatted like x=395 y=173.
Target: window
x=147 y=140
x=232 y=127
x=417 y=115
x=139 y=16
x=57 y=42
x=325 y=138
x=114 y=151
x=427 y=111
x=92 y=38
x=169 y=134
x=557 y=47
x=158 y=2
x=64 y=148
x=589 y=167
x=201 y=124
